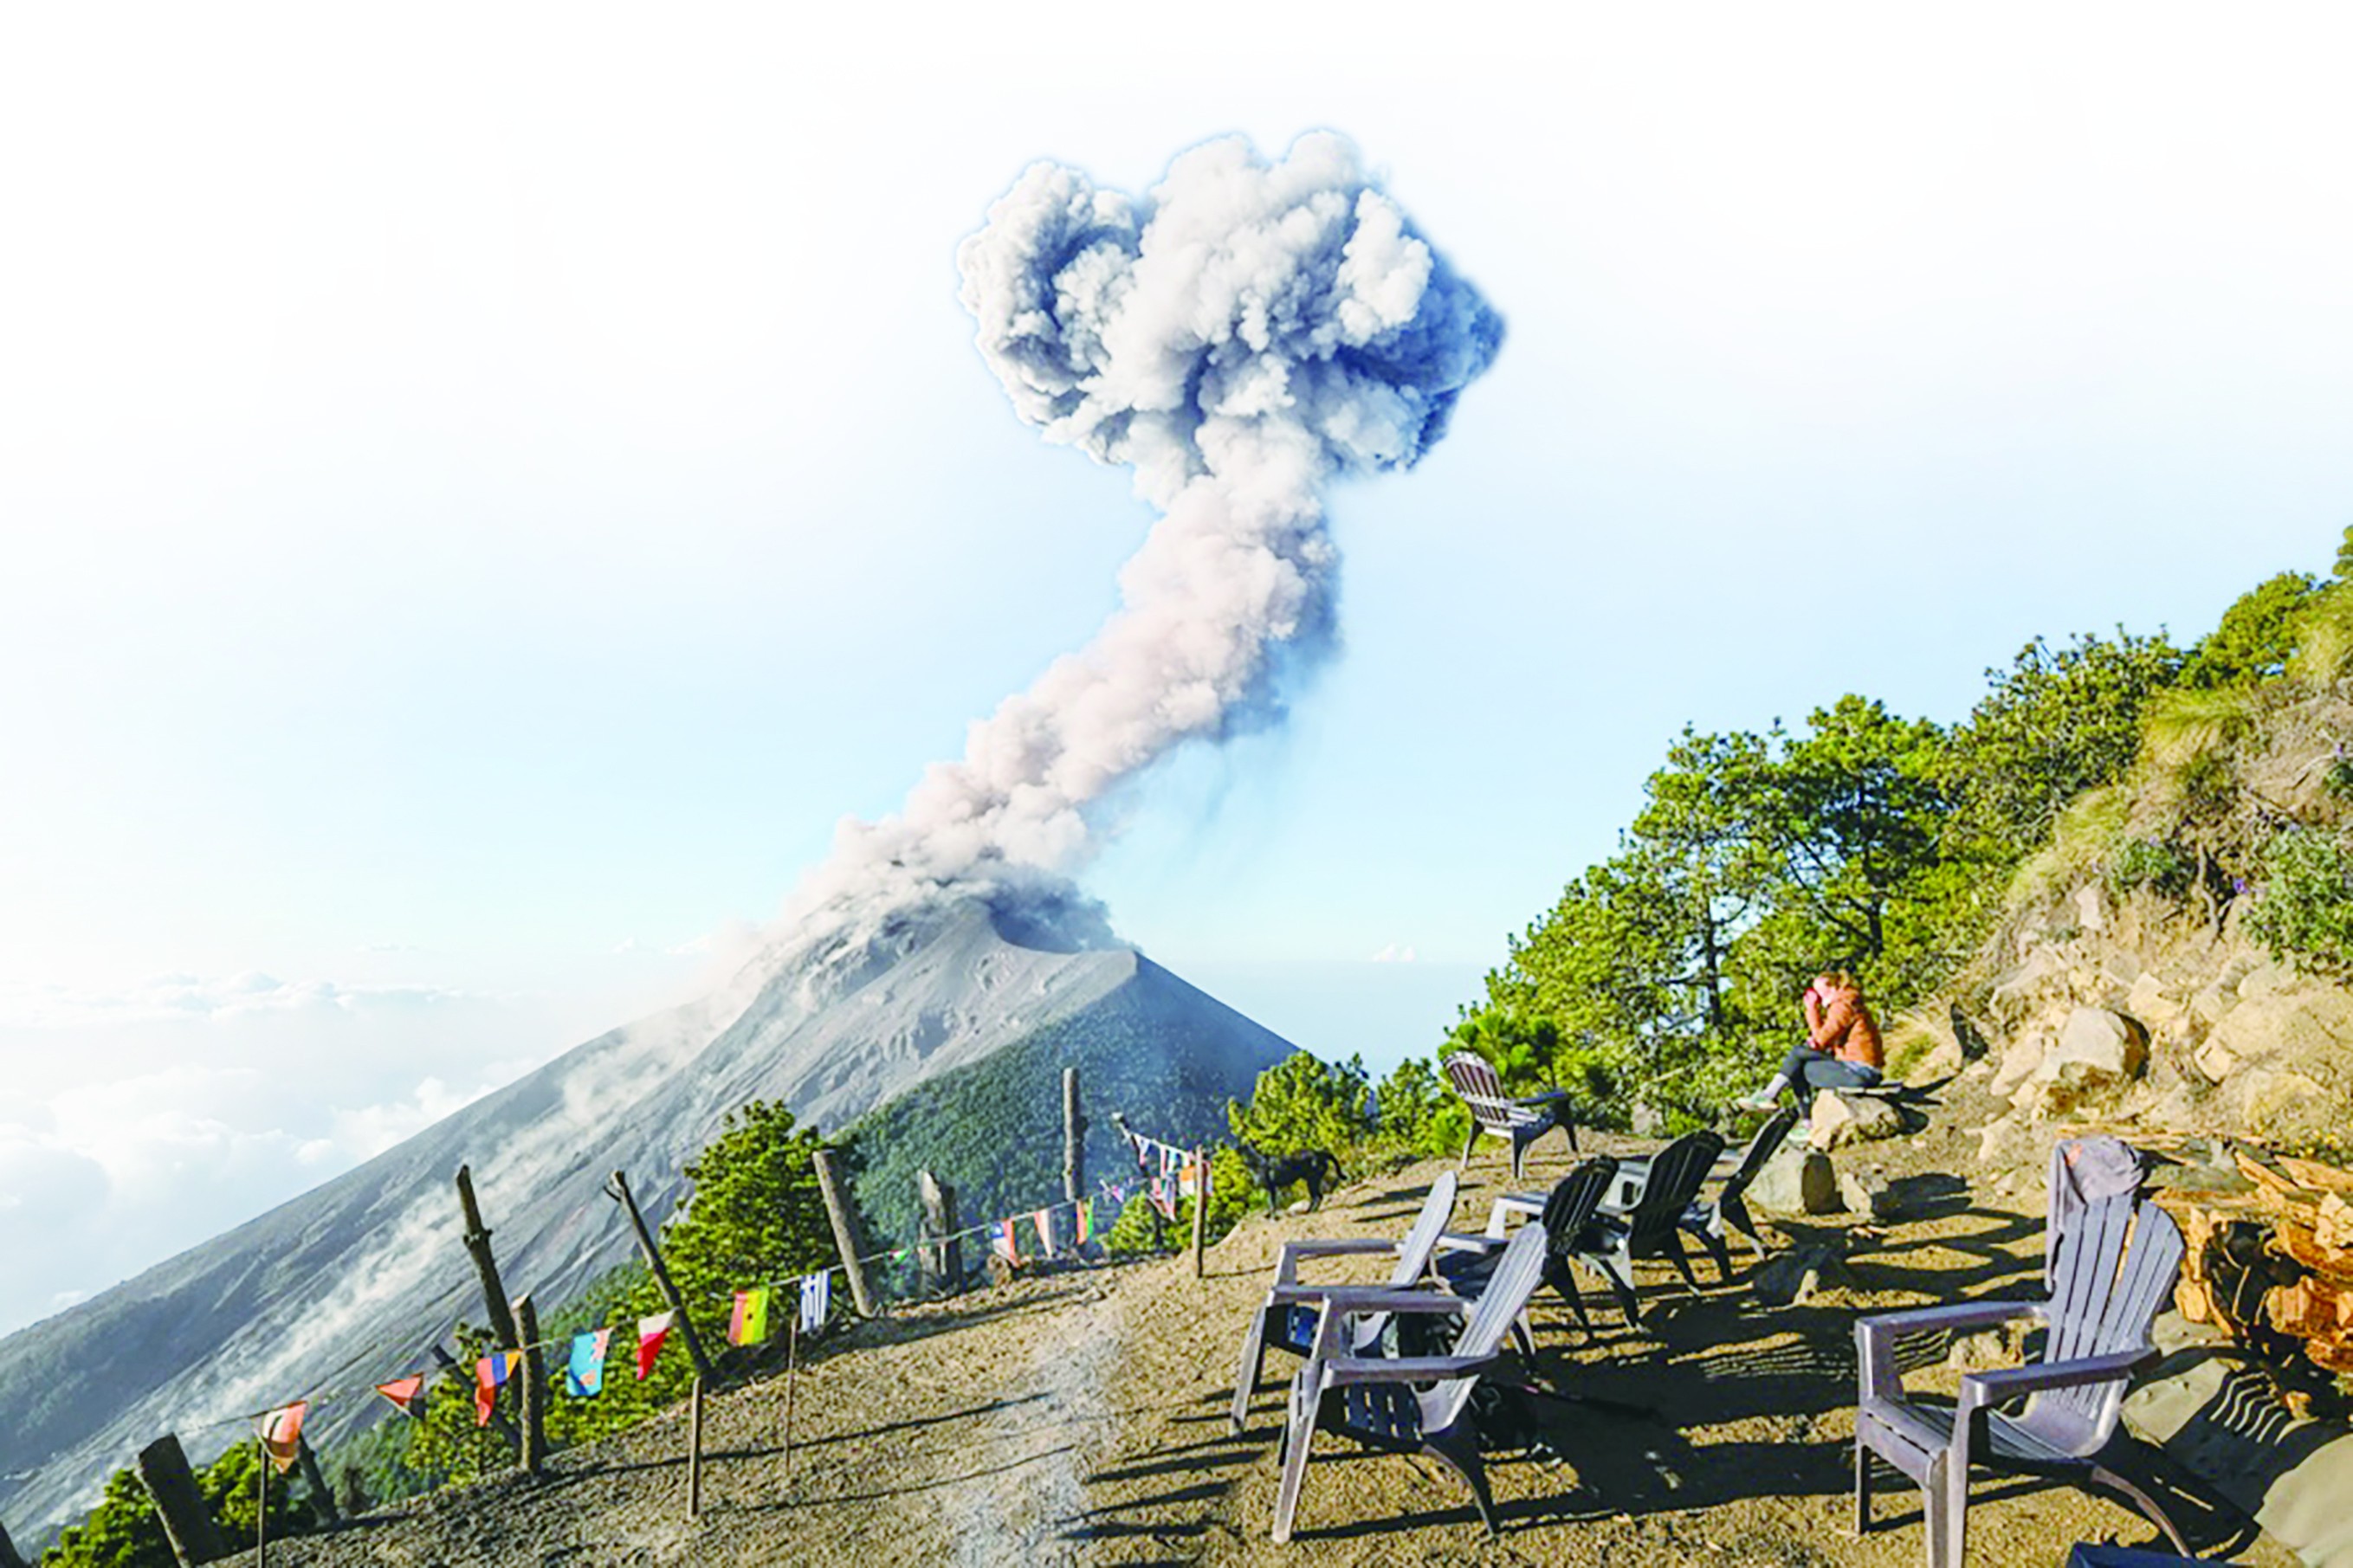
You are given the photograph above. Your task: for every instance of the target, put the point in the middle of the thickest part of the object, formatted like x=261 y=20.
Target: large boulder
x=1798 y=1180
x=2109 y=1046
x=1841 y=1119
x=1799 y=1274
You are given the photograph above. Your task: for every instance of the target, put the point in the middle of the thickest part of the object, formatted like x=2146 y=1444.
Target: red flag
x=282 y=1435
x=490 y=1374
x=650 y=1333
x=406 y=1394
x=1007 y=1245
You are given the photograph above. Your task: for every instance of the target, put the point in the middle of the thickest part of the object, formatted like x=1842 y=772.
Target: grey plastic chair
x=1495 y=1114
x=1374 y=1399
x=1285 y=1320
x=2104 y=1298
x=1706 y=1218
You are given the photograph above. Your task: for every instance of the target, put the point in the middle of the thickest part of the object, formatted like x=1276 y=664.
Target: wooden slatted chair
x=1566 y=1216
x=2105 y=1295
x=1495 y=1114
x=1706 y=1218
x=1376 y=1400
x=1286 y=1319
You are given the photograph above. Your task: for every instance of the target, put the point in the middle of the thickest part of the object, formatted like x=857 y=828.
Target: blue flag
x=584 y=1375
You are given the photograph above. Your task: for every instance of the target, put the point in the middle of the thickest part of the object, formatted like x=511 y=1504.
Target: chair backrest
x=1761 y=1148
x=1414 y=1252
x=2106 y=1295
x=1677 y=1173
x=1517 y=1274
x=2083 y=1168
x=1482 y=1091
x=1575 y=1197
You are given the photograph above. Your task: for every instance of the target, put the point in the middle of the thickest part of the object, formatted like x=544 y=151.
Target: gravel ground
x=1079 y=1417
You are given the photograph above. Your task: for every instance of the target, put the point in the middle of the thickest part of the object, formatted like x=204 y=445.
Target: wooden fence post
x=494 y=1300
x=845 y=1231
x=942 y=1261
x=618 y=1189
x=694 y=1453
x=319 y=1491
x=534 y=1385
x=1200 y=1207
x=188 y=1522
x=1074 y=1140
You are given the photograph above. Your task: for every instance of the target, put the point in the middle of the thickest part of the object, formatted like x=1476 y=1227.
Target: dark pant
x=1809 y=1070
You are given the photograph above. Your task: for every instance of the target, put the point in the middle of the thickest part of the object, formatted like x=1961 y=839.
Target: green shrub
x=1303 y=1103
x=2304 y=914
x=2159 y=865
x=1418 y=1118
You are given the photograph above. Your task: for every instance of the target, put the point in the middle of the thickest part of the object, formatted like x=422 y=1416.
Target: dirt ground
x=1079 y=1417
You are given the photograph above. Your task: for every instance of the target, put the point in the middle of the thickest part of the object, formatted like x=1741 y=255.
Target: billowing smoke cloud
x=1240 y=336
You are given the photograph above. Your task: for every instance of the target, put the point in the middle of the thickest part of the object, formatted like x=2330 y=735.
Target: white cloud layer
x=164 y=999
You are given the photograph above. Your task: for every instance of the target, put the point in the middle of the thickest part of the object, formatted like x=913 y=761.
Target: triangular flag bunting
x=1007 y=1245
x=749 y=1325
x=282 y=1435
x=817 y=1296
x=1086 y=1221
x=651 y=1334
x=1044 y=1220
x=406 y=1394
x=583 y=1372
x=490 y=1374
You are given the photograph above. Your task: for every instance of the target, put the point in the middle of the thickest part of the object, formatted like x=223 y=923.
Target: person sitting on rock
x=1841 y=1048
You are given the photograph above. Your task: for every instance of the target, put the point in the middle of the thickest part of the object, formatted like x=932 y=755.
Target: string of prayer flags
x=651 y=1331
x=1086 y=1221
x=1007 y=1244
x=1044 y=1220
x=406 y=1394
x=490 y=1374
x=1188 y=1177
x=749 y=1325
x=1161 y=1199
x=817 y=1296
x=282 y=1435
x=583 y=1372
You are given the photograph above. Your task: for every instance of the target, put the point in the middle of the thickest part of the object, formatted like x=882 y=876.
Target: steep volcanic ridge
x=355 y=1280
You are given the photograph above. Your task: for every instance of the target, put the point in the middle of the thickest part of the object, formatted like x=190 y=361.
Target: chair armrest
x=1286 y=1264
x=1347 y=1369
x=1507 y=1204
x=1454 y=1241
x=1544 y=1096
x=1381 y=1299
x=2009 y=1381
x=1875 y=1337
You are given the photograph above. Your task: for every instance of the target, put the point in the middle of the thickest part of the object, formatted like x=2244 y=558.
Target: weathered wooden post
x=1074 y=1140
x=618 y=1189
x=494 y=1302
x=792 y=1372
x=845 y=1231
x=317 y=1482
x=943 y=1260
x=8 y=1558
x=1200 y=1209
x=534 y=1385
x=187 y=1523
x=694 y=1452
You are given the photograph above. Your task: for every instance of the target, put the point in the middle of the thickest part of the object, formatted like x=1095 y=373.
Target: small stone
x=2091 y=912
x=2110 y=1046
x=1868 y=1192
x=1798 y=1276
x=1796 y=1180
x=2215 y=1061
x=2019 y=1063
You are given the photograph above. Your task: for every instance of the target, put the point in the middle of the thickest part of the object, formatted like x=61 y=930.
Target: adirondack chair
x=1654 y=1226
x=2104 y=1297
x=1285 y=1320
x=1497 y=1115
x=1566 y=1216
x=1374 y=1399
x=1706 y=1218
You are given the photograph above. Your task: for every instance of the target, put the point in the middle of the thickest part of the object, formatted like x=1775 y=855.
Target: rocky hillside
x=2141 y=977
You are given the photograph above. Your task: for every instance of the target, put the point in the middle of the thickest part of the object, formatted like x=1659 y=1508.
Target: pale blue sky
x=486 y=489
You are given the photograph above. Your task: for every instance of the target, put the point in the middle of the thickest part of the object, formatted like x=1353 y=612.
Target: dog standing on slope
x=1313 y=1167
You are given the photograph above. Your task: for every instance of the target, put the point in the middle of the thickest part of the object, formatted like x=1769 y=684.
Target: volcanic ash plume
x=1239 y=336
